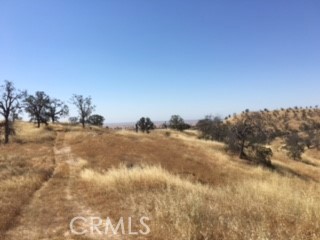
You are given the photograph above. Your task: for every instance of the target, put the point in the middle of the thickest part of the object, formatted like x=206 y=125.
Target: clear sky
x=158 y=58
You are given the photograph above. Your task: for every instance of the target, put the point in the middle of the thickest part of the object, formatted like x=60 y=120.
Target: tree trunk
x=242 y=154
x=6 y=131
x=39 y=122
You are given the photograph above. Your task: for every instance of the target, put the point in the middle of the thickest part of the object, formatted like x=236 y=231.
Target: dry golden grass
x=198 y=160
x=308 y=168
x=14 y=192
x=132 y=174
x=292 y=118
x=270 y=207
x=190 y=188
x=131 y=179
x=23 y=169
x=29 y=133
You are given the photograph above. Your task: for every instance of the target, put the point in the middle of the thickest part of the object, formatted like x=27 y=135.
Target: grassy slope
x=190 y=188
x=288 y=118
x=237 y=201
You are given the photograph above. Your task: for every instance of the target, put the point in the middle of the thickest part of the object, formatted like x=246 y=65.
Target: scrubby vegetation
x=251 y=132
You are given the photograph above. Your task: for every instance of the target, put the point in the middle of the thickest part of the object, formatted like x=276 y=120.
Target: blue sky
x=158 y=58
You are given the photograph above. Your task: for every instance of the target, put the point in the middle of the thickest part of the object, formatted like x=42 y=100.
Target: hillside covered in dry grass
x=189 y=188
x=289 y=119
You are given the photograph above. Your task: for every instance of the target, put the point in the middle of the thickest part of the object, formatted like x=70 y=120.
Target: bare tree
x=84 y=106
x=9 y=104
x=37 y=107
x=57 y=109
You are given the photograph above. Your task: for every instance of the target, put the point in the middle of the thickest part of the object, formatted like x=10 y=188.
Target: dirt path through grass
x=54 y=205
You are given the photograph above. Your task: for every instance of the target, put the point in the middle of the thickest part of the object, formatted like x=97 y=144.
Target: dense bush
x=176 y=122
x=212 y=128
x=295 y=146
x=144 y=125
x=96 y=120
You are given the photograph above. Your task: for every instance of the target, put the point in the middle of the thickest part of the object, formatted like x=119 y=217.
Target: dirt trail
x=53 y=206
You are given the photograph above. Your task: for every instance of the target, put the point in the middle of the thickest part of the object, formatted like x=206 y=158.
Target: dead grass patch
x=203 y=161
x=267 y=208
x=23 y=169
x=29 y=133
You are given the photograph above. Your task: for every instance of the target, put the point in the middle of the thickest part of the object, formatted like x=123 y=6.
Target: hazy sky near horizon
x=158 y=58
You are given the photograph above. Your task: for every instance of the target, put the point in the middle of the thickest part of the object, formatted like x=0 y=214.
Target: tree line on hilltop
x=41 y=108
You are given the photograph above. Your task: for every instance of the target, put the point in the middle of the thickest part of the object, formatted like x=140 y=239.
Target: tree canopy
x=176 y=122
x=84 y=106
x=96 y=120
x=144 y=125
x=37 y=106
x=9 y=105
x=57 y=109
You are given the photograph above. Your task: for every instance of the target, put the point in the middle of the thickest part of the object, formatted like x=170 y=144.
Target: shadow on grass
x=309 y=163
x=282 y=170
